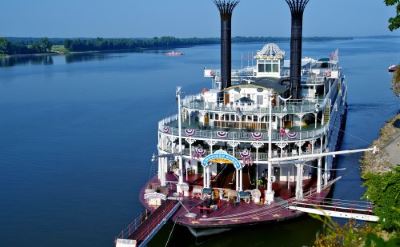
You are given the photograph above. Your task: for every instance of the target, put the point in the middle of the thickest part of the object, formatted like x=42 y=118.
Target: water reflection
x=85 y=57
x=26 y=60
x=48 y=59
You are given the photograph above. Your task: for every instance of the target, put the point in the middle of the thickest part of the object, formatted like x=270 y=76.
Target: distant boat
x=392 y=68
x=174 y=53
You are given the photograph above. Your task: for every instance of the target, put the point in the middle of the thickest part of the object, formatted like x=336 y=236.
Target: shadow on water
x=276 y=234
x=86 y=57
x=26 y=60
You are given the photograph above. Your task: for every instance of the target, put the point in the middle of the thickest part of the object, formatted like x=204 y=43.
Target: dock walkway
x=141 y=231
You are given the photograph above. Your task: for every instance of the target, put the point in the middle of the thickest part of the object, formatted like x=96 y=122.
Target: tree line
x=8 y=47
x=12 y=46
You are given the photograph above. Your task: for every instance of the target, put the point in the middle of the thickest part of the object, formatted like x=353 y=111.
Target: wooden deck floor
x=229 y=214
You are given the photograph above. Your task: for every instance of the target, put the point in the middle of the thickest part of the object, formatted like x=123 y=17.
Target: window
x=261 y=68
x=275 y=68
x=268 y=68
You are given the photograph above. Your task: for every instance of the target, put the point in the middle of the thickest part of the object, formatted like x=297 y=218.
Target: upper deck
x=260 y=97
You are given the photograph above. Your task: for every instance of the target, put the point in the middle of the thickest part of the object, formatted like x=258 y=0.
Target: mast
x=297 y=8
x=226 y=8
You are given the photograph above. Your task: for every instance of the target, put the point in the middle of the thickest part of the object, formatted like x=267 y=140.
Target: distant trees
x=394 y=22
x=11 y=48
x=4 y=46
x=42 y=46
x=101 y=44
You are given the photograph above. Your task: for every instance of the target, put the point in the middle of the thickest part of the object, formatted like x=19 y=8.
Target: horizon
x=134 y=19
x=214 y=37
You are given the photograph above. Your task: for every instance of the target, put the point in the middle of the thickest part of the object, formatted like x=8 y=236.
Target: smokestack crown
x=297 y=6
x=226 y=7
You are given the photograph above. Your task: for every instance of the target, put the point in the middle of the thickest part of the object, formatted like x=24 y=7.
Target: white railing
x=239 y=135
x=262 y=156
x=291 y=107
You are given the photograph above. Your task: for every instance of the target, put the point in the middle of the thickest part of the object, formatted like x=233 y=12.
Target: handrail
x=196 y=102
x=262 y=156
x=239 y=135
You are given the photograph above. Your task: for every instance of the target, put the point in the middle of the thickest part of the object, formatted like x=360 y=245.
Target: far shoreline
x=161 y=47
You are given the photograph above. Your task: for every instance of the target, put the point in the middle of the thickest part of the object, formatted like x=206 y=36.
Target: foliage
x=352 y=234
x=11 y=48
x=384 y=191
x=42 y=46
x=4 y=46
x=394 y=22
x=396 y=81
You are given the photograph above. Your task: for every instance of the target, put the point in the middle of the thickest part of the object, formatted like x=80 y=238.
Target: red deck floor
x=231 y=214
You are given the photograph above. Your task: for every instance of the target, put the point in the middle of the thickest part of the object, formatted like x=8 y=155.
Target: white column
x=319 y=173
x=160 y=169
x=326 y=177
x=257 y=145
x=241 y=179
x=299 y=182
x=237 y=180
x=204 y=177
x=208 y=177
x=316 y=118
x=190 y=141
x=164 y=168
x=256 y=167
x=178 y=94
x=269 y=196
x=312 y=146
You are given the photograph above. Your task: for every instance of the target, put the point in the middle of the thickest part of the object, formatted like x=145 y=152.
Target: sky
x=187 y=18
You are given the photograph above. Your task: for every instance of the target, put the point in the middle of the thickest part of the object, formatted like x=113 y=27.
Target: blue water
x=77 y=135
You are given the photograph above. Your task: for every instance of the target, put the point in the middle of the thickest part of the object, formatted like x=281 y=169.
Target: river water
x=77 y=134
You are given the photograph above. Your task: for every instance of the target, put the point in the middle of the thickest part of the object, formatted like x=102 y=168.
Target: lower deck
x=224 y=209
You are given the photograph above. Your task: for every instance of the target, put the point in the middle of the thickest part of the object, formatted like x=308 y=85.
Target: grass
x=60 y=49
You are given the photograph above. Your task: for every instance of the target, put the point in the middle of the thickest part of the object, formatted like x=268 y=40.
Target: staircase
x=327 y=114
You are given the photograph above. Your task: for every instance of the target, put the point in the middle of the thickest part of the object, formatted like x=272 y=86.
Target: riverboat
x=238 y=152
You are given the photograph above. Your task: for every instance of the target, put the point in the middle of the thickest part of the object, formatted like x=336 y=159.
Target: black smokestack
x=226 y=8
x=296 y=44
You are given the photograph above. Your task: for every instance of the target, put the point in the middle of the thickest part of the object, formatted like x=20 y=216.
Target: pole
x=180 y=182
x=256 y=167
x=319 y=173
x=269 y=193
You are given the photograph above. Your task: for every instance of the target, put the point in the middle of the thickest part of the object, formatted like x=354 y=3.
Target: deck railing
x=239 y=135
x=197 y=103
x=262 y=156
x=134 y=225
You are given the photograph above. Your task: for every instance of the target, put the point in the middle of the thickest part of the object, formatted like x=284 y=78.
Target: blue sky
x=186 y=18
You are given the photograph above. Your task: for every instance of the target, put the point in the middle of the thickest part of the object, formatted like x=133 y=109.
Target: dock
x=146 y=226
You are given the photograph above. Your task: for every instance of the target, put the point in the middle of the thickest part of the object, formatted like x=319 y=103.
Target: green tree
x=41 y=46
x=394 y=22
x=384 y=191
x=4 y=46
